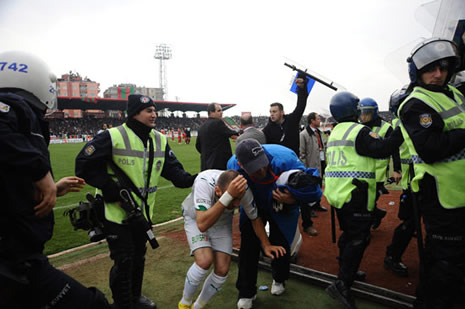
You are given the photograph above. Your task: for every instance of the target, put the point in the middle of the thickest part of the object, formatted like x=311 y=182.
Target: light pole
x=162 y=53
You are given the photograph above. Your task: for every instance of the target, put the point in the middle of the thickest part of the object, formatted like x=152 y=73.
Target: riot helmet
x=433 y=51
x=368 y=110
x=24 y=71
x=344 y=106
x=397 y=97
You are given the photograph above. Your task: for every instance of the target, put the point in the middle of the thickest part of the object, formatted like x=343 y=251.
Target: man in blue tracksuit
x=261 y=166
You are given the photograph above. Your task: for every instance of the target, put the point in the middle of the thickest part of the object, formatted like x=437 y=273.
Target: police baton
x=333 y=225
x=417 y=218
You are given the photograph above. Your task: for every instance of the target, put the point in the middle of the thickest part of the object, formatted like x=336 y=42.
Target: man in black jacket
x=213 y=140
x=28 y=191
x=284 y=129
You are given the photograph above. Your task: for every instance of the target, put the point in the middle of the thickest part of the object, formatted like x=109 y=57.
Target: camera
x=88 y=216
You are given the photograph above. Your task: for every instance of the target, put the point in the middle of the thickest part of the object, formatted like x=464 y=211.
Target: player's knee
x=222 y=270
x=204 y=263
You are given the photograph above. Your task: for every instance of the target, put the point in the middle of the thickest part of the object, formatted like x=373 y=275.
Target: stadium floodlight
x=163 y=53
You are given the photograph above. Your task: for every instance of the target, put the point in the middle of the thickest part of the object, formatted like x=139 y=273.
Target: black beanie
x=137 y=102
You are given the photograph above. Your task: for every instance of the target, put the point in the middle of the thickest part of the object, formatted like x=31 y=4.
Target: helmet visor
x=433 y=51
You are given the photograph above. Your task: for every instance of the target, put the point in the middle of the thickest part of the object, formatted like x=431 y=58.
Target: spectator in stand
x=213 y=140
x=250 y=131
x=104 y=128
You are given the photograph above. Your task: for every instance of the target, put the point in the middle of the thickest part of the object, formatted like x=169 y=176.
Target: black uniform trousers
x=37 y=284
x=444 y=263
x=250 y=253
x=355 y=222
x=127 y=249
x=403 y=233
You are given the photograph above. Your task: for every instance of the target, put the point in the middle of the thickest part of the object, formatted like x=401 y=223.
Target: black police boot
x=378 y=215
x=396 y=267
x=360 y=275
x=121 y=289
x=144 y=303
x=341 y=293
x=140 y=301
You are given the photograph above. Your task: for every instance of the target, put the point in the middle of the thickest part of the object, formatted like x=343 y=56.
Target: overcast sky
x=223 y=51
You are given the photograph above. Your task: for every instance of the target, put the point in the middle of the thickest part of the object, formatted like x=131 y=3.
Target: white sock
x=195 y=275
x=211 y=286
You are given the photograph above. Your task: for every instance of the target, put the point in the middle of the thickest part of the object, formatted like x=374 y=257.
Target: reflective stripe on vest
x=343 y=164
x=381 y=163
x=131 y=155
x=405 y=159
x=447 y=172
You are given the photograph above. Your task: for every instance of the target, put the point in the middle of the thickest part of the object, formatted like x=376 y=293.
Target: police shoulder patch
x=89 y=150
x=4 y=108
x=426 y=120
x=374 y=134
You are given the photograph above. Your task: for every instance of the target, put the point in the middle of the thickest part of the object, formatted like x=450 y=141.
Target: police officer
x=433 y=126
x=144 y=155
x=369 y=117
x=405 y=230
x=27 y=280
x=351 y=187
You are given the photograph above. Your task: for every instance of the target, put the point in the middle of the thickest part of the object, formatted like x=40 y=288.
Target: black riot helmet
x=397 y=97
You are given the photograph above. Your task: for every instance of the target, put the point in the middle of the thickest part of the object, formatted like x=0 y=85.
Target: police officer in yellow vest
x=351 y=186
x=369 y=117
x=403 y=233
x=433 y=126
x=130 y=147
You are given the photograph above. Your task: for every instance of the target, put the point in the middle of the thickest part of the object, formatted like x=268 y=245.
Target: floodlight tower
x=162 y=53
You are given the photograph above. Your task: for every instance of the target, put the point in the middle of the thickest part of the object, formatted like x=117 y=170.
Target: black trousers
x=405 y=230
x=355 y=222
x=306 y=214
x=46 y=287
x=444 y=258
x=250 y=253
x=127 y=249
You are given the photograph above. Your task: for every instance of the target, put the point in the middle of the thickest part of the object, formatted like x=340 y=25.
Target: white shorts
x=217 y=237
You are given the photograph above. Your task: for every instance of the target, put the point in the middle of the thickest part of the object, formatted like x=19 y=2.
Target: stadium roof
x=85 y=103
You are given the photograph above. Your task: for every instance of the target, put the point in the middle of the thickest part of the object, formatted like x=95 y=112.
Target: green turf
x=165 y=272
x=168 y=203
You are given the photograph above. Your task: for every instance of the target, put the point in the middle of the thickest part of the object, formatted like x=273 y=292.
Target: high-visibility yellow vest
x=381 y=163
x=132 y=157
x=405 y=159
x=449 y=172
x=344 y=164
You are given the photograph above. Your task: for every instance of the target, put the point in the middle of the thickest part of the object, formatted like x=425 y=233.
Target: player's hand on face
x=237 y=187
x=283 y=197
x=274 y=251
x=234 y=204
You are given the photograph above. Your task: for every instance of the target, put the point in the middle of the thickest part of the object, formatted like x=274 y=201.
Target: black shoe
x=341 y=293
x=144 y=303
x=398 y=268
x=320 y=208
x=360 y=275
x=377 y=217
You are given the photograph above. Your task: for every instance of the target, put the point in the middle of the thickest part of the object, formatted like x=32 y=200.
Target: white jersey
x=203 y=197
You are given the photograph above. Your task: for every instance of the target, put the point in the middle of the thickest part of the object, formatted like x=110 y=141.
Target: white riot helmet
x=25 y=71
x=430 y=51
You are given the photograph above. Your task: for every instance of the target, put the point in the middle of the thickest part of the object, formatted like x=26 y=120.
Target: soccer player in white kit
x=208 y=213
